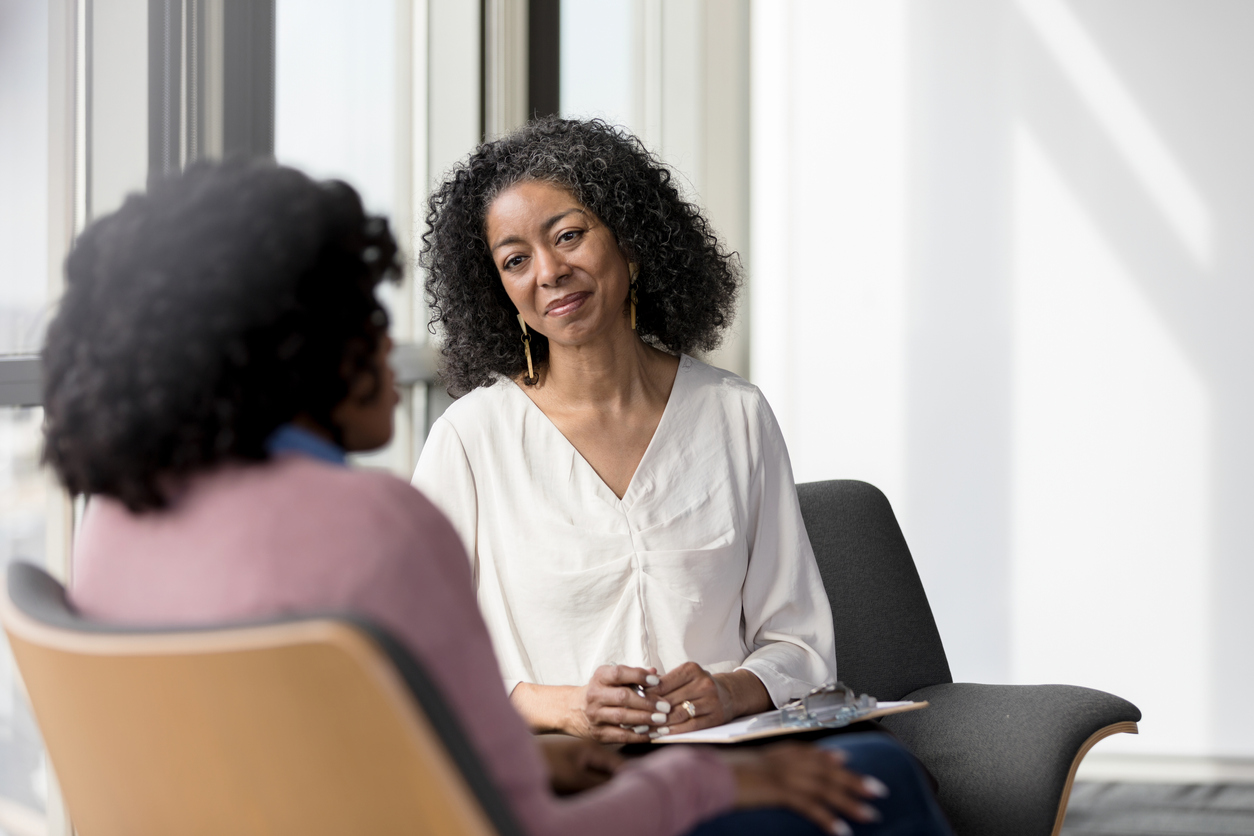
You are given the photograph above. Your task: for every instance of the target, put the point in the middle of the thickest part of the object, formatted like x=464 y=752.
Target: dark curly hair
x=687 y=282
x=202 y=315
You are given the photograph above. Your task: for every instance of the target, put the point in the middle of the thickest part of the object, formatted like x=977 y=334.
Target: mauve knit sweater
x=298 y=535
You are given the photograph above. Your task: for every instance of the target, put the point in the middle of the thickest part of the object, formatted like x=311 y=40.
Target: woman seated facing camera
x=622 y=502
x=218 y=350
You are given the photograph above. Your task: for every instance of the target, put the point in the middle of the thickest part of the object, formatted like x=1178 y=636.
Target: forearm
x=666 y=793
x=788 y=669
x=745 y=693
x=547 y=708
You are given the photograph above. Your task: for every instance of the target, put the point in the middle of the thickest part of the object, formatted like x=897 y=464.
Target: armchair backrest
x=887 y=644
x=307 y=725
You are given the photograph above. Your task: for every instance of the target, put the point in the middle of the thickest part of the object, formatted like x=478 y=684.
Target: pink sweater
x=297 y=535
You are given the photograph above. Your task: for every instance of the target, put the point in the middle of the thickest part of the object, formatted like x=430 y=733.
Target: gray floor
x=1160 y=810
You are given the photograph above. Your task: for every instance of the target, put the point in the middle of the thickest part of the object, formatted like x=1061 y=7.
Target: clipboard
x=771 y=724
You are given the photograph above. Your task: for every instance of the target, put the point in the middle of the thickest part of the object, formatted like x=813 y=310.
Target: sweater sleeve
x=418 y=589
x=667 y=792
x=787 y=618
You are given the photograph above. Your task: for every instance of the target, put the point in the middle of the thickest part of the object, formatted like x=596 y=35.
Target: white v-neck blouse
x=705 y=558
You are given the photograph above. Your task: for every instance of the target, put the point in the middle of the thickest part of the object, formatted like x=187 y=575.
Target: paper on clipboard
x=769 y=724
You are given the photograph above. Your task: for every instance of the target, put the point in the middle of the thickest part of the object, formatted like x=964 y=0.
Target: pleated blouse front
x=704 y=558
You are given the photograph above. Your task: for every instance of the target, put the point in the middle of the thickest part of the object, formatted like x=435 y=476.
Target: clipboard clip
x=827 y=706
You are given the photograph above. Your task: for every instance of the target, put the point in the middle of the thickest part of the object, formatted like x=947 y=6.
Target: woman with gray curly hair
x=630 y=512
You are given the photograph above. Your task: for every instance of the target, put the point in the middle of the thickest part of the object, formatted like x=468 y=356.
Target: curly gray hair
x=687 y=282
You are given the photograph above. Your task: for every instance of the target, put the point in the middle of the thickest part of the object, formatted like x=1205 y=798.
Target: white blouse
x=705 y=558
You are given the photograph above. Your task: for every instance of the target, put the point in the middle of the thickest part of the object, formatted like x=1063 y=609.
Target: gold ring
x=687 y=705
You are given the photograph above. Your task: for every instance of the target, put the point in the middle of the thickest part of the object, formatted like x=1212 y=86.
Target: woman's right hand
x=806 y=779
x=610 y=710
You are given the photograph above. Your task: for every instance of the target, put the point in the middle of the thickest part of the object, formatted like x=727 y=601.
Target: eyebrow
x=546 y=226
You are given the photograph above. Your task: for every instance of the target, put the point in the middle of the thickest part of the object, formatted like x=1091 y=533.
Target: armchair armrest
x=1005 y=756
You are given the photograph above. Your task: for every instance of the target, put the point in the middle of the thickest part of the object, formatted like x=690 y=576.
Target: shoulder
x=323 y=528
x=400 y=536
x=372 y=505
x=483 y=408
x=730 y=408
x=474 y=429
x=711 y=387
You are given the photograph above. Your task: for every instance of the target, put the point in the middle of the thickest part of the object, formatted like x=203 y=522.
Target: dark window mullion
x=544 y=55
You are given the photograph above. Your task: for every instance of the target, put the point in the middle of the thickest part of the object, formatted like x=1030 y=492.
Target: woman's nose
x=551 y=268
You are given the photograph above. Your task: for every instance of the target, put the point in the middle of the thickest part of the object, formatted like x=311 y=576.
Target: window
x=24 y=298
x=24 y=494
x=23 y=174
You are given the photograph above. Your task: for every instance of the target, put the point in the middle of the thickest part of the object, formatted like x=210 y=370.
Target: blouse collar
x=289 y=438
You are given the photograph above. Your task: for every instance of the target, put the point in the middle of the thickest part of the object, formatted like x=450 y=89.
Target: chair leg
x=1114 y=728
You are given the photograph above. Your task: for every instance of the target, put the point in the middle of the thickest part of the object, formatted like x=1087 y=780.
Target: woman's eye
x=568 y=235
x=512 y=262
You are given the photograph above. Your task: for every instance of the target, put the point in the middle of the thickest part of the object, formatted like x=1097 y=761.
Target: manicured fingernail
x=652 y=680
x=868 y=813
x=659 y=718
x=875 y=787
x=841 y=829
x=663 y=706
x=639 y=729
x=661 y=730
x=654 y=735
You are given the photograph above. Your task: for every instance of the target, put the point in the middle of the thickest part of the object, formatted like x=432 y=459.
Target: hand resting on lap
x=576 y=765
x=813 y=782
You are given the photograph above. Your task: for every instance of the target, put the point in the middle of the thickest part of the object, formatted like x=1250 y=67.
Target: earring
x=526 y=341
x=635 y=271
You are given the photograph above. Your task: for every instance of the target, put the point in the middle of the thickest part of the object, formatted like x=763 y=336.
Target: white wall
x=1001 y=268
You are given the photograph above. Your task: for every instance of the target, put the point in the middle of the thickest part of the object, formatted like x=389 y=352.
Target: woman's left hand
x=576 y=764
x=715 y=698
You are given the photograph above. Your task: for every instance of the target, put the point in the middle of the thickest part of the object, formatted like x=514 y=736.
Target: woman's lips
x=567 y=304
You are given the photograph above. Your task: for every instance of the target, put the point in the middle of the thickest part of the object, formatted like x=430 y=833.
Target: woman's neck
x=610 y=375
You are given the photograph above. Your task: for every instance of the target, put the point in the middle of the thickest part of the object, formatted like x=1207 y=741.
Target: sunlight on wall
x=1126 y=124
x=770 y=271
x=1000 y=262
x=1110 y=484
x=830 y=236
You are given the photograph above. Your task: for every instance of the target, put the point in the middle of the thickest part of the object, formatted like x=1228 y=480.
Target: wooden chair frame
x=314 y=725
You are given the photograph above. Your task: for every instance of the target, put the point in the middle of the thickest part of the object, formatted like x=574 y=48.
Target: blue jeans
x=909 y=810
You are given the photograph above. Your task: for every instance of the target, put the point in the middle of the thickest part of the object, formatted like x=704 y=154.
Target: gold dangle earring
x=635 y=271
x=526 y=341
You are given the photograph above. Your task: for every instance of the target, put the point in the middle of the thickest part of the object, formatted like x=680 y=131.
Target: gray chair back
x=887 y=644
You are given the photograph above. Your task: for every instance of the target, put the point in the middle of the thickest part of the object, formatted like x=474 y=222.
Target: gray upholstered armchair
x=1005 y=756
